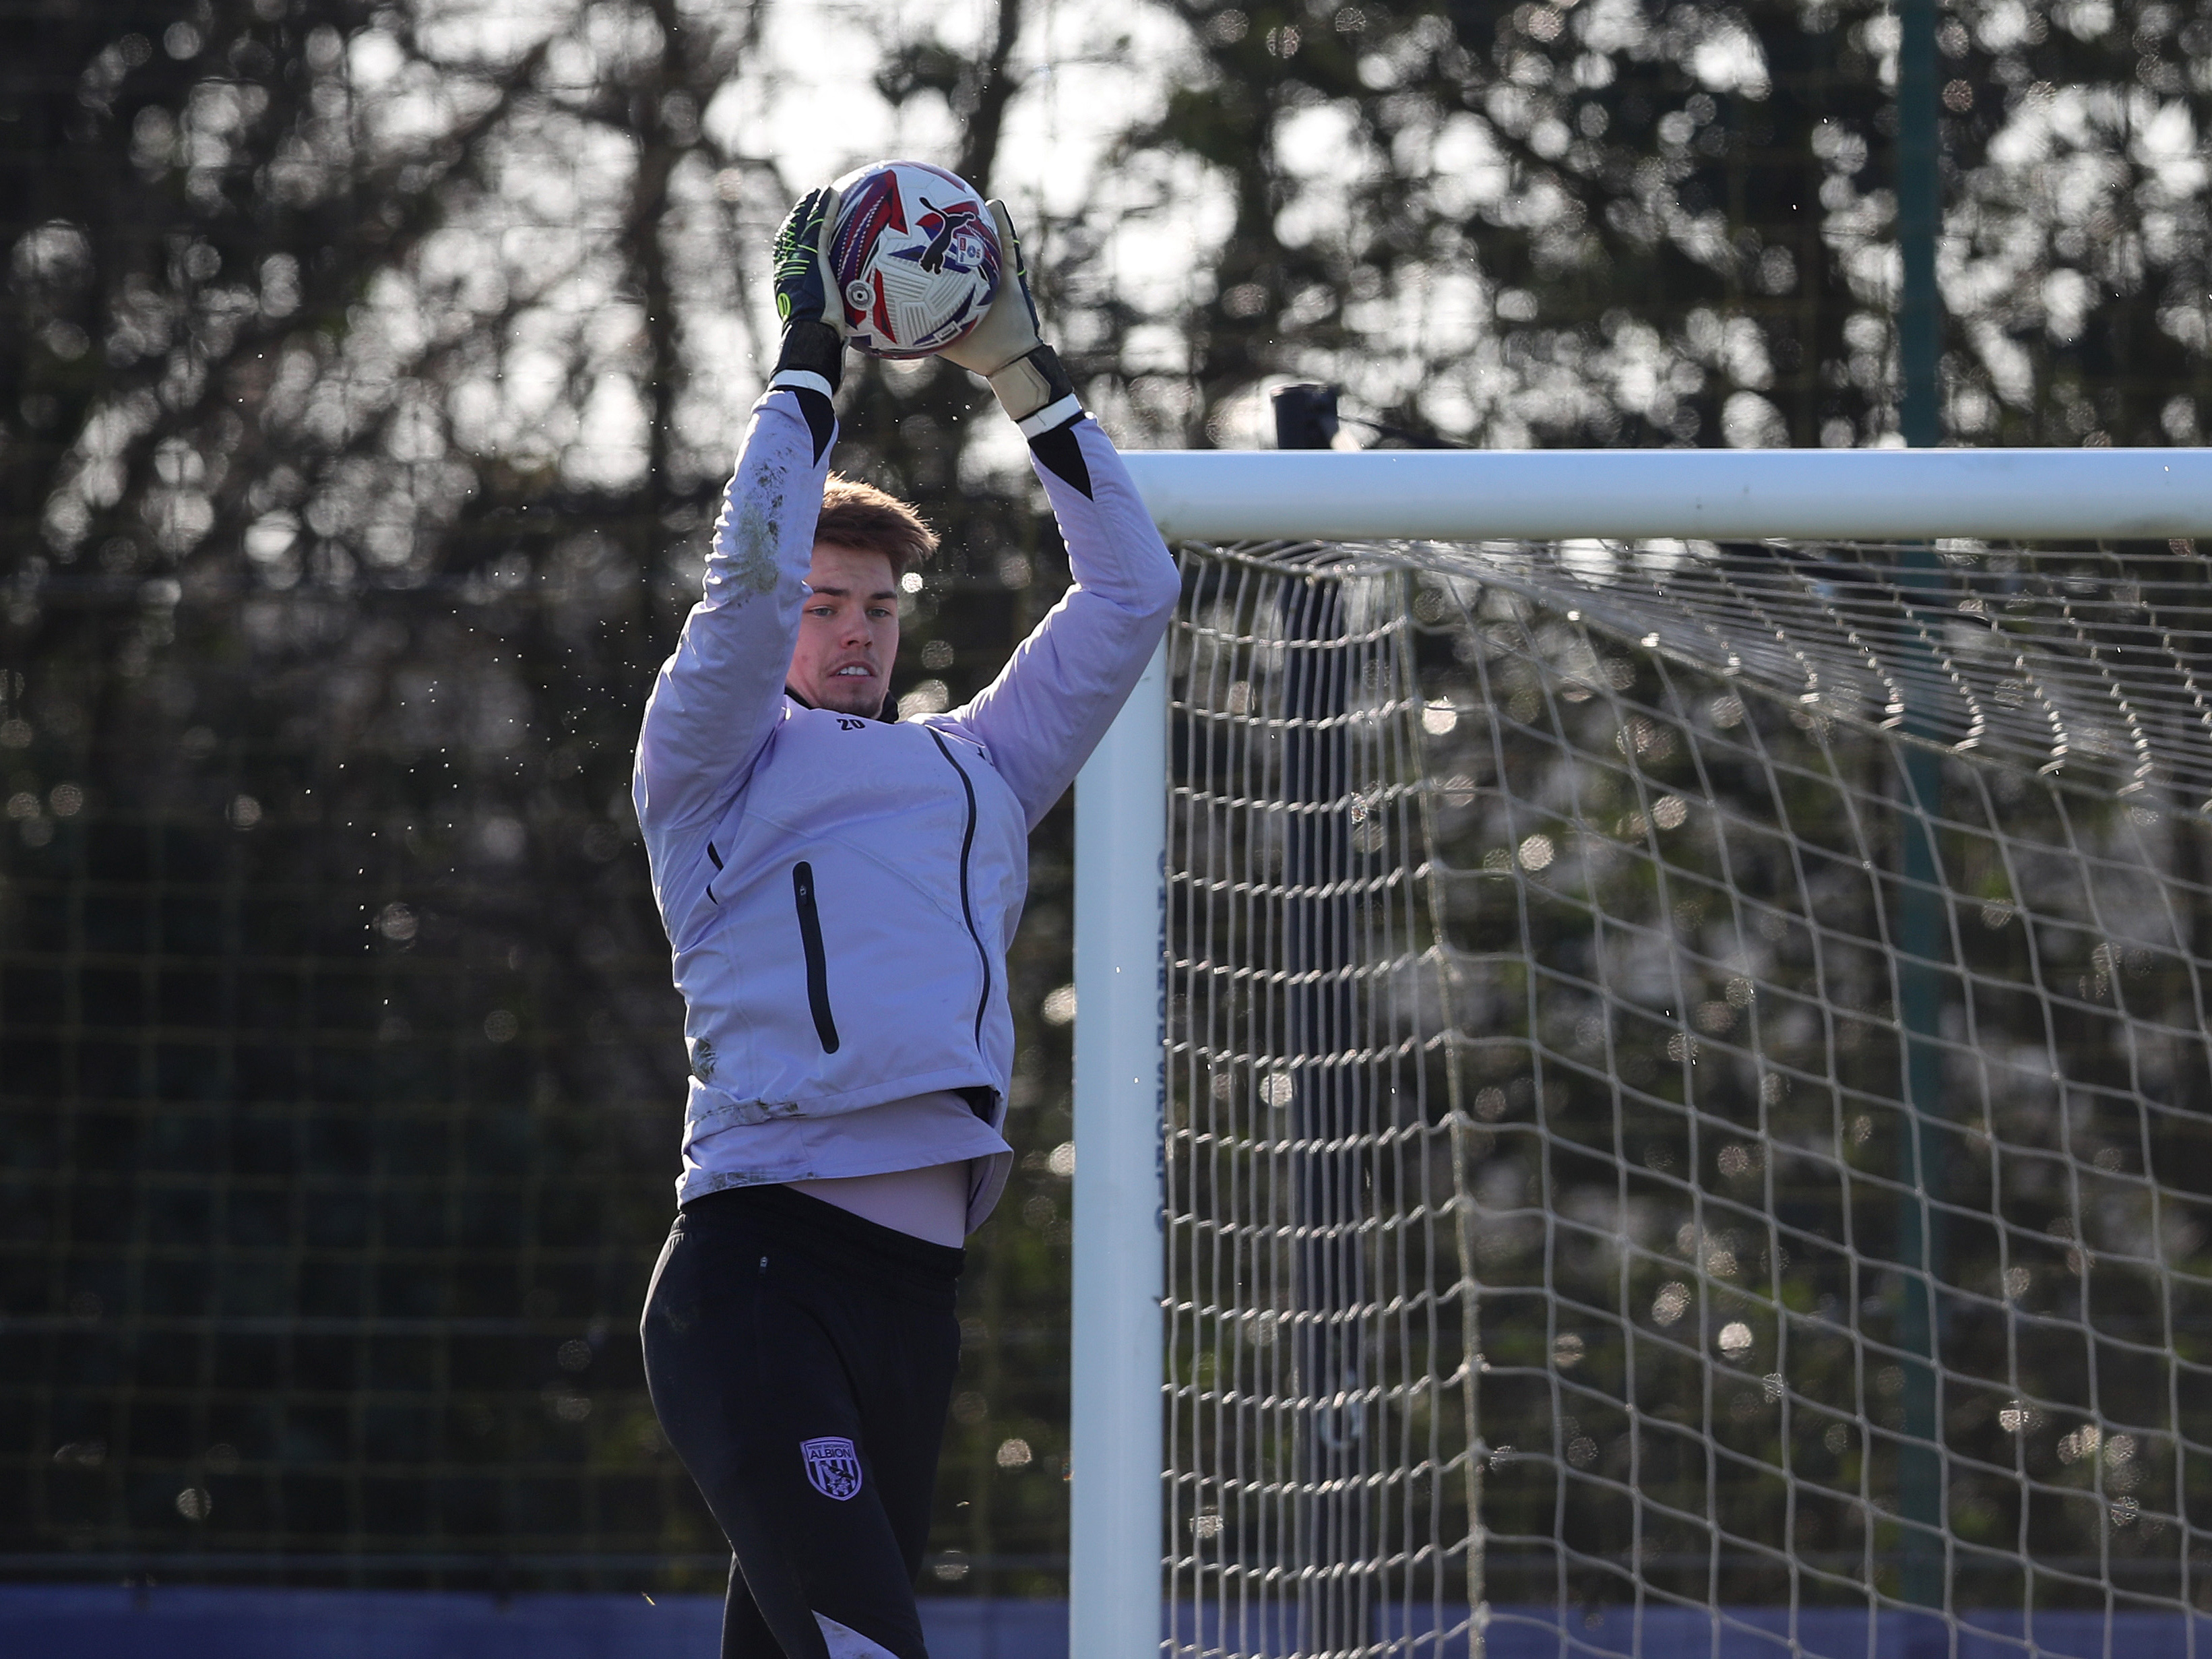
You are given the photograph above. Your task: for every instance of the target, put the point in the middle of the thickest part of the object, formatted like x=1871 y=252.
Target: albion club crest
x=833 y=1467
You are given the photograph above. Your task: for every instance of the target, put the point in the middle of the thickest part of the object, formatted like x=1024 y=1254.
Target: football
x=915 y=257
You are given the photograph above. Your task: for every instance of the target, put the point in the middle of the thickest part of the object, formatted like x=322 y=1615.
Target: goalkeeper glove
x=813 y=355
x=1006 y=349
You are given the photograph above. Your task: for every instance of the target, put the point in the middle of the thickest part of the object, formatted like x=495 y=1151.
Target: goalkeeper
x=840 y=888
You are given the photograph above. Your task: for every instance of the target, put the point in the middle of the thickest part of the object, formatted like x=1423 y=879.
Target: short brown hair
x=864 y=518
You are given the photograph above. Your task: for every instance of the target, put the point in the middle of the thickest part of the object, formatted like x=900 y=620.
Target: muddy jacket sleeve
x=1046 y=712
x=717 y=698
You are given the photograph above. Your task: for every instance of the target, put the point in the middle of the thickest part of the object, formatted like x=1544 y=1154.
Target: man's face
x=848 y=632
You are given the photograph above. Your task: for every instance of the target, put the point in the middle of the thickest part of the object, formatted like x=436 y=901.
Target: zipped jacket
x=840 y=892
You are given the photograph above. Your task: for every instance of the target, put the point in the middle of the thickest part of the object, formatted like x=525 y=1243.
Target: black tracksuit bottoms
x=801 y=1360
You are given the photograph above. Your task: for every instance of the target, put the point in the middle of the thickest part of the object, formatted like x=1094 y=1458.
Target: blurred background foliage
x=368 y=373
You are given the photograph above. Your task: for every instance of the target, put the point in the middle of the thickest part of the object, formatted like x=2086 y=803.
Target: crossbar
x=1872 y=495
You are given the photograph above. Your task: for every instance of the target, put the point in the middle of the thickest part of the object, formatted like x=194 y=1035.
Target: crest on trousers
x=833 y=1467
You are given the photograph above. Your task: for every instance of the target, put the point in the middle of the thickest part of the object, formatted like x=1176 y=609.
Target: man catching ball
x=840 y=888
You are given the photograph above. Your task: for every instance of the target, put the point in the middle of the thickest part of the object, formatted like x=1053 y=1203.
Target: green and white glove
x=813 y=355
x=1007 y=349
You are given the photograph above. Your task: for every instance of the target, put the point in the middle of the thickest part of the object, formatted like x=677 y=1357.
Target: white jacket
x=840 y=892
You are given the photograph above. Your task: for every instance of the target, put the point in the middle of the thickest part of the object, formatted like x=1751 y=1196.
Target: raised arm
x=1060 y=691
x=719 y=697
x=1055 y=699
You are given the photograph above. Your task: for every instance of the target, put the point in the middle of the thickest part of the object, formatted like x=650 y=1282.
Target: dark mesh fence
x=341 y=1086
x=341 y=1081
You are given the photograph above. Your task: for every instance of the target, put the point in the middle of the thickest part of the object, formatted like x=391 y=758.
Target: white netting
x=1629 y=1189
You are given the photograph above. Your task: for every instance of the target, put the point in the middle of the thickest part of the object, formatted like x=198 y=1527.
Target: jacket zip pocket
x=817 y=966
x=967 y=909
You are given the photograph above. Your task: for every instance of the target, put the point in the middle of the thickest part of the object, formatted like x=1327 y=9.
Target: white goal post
x=1869 y=495
x=1117 y=1506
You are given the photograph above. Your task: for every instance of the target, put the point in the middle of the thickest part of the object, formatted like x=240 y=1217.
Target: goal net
x=1690 y=1122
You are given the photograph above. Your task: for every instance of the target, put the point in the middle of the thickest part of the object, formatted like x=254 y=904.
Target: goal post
x=1433 y=1180
x=1114 y=1439
x=1848 y=495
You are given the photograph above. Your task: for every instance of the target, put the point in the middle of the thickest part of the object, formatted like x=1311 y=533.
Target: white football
x=915 y=255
